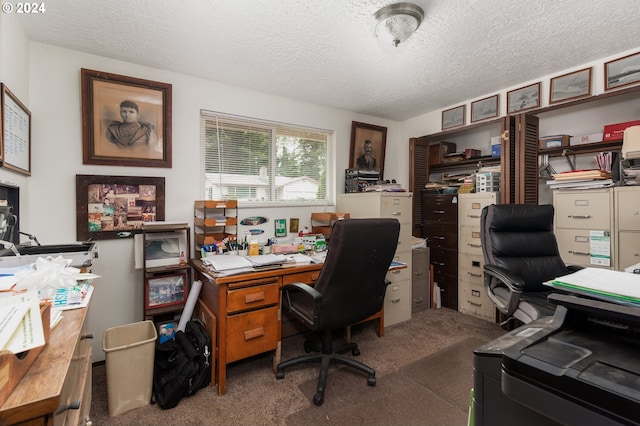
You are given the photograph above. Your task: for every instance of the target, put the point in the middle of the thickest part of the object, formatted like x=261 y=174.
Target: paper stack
x=20 y=322
x=581 y=179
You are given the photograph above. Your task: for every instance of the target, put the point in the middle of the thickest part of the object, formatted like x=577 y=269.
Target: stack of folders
x=604 y=284
x=581 y=179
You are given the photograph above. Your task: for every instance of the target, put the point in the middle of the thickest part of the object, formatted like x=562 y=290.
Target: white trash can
x=129 y=356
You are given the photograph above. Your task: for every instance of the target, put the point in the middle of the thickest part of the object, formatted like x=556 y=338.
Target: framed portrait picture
x=368 y=144
x=570 y=86
x=109 y=207
x=126 y=121
x=622 y=72
x=524 y=98
x=484 y=108
x=453 y=117
x=165 y=290
x=15 y=133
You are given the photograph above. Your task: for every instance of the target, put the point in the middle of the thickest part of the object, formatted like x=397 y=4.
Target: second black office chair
x=520 y=253
x=351 y=287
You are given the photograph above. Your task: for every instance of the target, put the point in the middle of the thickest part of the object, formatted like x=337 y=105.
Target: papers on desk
x=225 y=264
x=20 y=322
x=605 y=284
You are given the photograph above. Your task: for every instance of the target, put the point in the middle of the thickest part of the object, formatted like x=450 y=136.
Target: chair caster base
x=279 y=374
x=371 y=380
x=318 y=398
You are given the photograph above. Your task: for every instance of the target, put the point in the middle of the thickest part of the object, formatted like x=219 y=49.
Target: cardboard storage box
x=614 y=132
x=439 y=150
x=555 y=141
x=584 y=139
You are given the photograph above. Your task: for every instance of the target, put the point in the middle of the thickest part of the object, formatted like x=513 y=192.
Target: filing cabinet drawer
x=440 y=235
x=397 y=303
x=400 y=274
x=575 y=247
x=420 y=299
x=396 y=207
x=440 y=208
x=583 y=209
x=470 y=241
x=253 y=297
x=471 y=268
x=629 y=249
x=420 y=262
x=471 y=205
x=474 y=301
x=252 y=333
x=444 y=262
x=628 y=208
x=404 y=239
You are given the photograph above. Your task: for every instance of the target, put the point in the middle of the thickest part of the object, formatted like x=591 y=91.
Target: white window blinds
x=263 y=162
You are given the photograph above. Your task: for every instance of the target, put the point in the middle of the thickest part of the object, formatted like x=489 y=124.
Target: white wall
x=55 y=103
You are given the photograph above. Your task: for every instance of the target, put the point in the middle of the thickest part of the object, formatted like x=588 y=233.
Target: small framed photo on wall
x=622 y=72
x=453 y=117
x=368 y=144
x=573 y=85
x=524 y=98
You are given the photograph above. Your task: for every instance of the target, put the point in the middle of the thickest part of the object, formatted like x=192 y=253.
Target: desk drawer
x=253 y=297
x=309 y=277
x=252 y=333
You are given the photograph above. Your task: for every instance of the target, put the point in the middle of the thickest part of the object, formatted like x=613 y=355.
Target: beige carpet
x=405 y=359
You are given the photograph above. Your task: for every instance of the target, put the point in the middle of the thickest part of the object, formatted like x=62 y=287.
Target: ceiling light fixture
x=396 y=22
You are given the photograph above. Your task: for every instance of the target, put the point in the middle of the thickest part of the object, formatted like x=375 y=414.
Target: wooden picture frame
x=573 y=85
x=454 y=117
x=109 y=207
x=621 y=72
x=161 y=249
x=524 y=98
x=165 y=290
x=368 y=144
x=483 y=109
x=126 y=121
x=15 y=133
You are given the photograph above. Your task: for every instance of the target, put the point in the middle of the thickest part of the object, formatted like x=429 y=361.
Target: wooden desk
x=59 y=376
x=247 y=311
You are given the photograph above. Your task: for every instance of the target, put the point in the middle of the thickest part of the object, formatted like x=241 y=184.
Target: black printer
x=579 y=367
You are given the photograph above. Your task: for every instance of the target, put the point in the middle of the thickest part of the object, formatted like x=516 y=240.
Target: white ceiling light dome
x=396 y=22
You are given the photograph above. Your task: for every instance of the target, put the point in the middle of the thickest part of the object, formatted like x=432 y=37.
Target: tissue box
x=614 y=132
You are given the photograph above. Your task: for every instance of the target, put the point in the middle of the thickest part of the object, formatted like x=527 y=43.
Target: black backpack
x=182 y=365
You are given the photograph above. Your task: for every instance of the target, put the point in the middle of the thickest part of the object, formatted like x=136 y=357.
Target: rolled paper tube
x=187 y=312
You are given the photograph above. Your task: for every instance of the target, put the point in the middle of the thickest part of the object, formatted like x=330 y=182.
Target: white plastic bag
x=47 y=275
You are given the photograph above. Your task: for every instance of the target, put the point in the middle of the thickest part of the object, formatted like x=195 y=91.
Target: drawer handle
x=438 y=211
x=418 y=300
x=579 y=253
x=87 y=336
x=395 y=300
x=475 y=304
x=397 y=271
x=439 y=263
x=475 y=245
x=73 y=405
x=254 y=297
x=396 y=214
x=438 y=238
x=579 y=216
x=474 y=275
x=418 y=273
x=254 y=334
x=473 y=216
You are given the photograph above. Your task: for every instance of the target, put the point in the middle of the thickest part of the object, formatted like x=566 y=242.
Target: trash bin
x=129 y=355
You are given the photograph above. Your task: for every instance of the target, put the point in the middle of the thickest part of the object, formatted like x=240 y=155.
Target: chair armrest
x=574 y=268
x=495 y=276
x=307 y=293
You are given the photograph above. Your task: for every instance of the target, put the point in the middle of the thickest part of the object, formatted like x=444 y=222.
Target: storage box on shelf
x=397 y=305
x=214 y=220
x=472 y=297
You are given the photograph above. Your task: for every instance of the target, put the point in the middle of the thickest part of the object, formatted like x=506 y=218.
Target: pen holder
x=242 y=252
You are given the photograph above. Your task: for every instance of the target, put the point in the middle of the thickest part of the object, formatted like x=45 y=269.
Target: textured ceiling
x=325 y=52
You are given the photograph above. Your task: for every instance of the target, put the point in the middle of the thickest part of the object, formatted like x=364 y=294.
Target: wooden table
x=247 y=308
x=60 y=376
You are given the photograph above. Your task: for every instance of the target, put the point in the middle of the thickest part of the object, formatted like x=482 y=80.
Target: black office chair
x=520 y=253
x=351 y=287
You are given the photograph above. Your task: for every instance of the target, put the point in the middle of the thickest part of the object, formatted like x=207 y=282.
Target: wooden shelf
x=588 y=148
x=483 y=161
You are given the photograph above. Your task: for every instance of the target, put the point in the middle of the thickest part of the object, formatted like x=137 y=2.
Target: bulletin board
x=15 y=137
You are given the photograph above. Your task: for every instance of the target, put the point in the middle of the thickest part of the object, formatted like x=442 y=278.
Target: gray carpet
x=423 y=370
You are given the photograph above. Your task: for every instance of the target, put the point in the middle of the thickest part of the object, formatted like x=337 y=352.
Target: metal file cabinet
x=440 y=229
x=472 y=297
x=627 y=226
x=420 y=280
x=397 y=304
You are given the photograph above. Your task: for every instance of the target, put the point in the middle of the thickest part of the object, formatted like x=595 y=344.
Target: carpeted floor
x=424 y=377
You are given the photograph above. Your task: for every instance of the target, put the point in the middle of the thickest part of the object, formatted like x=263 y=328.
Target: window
x=262 y=162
